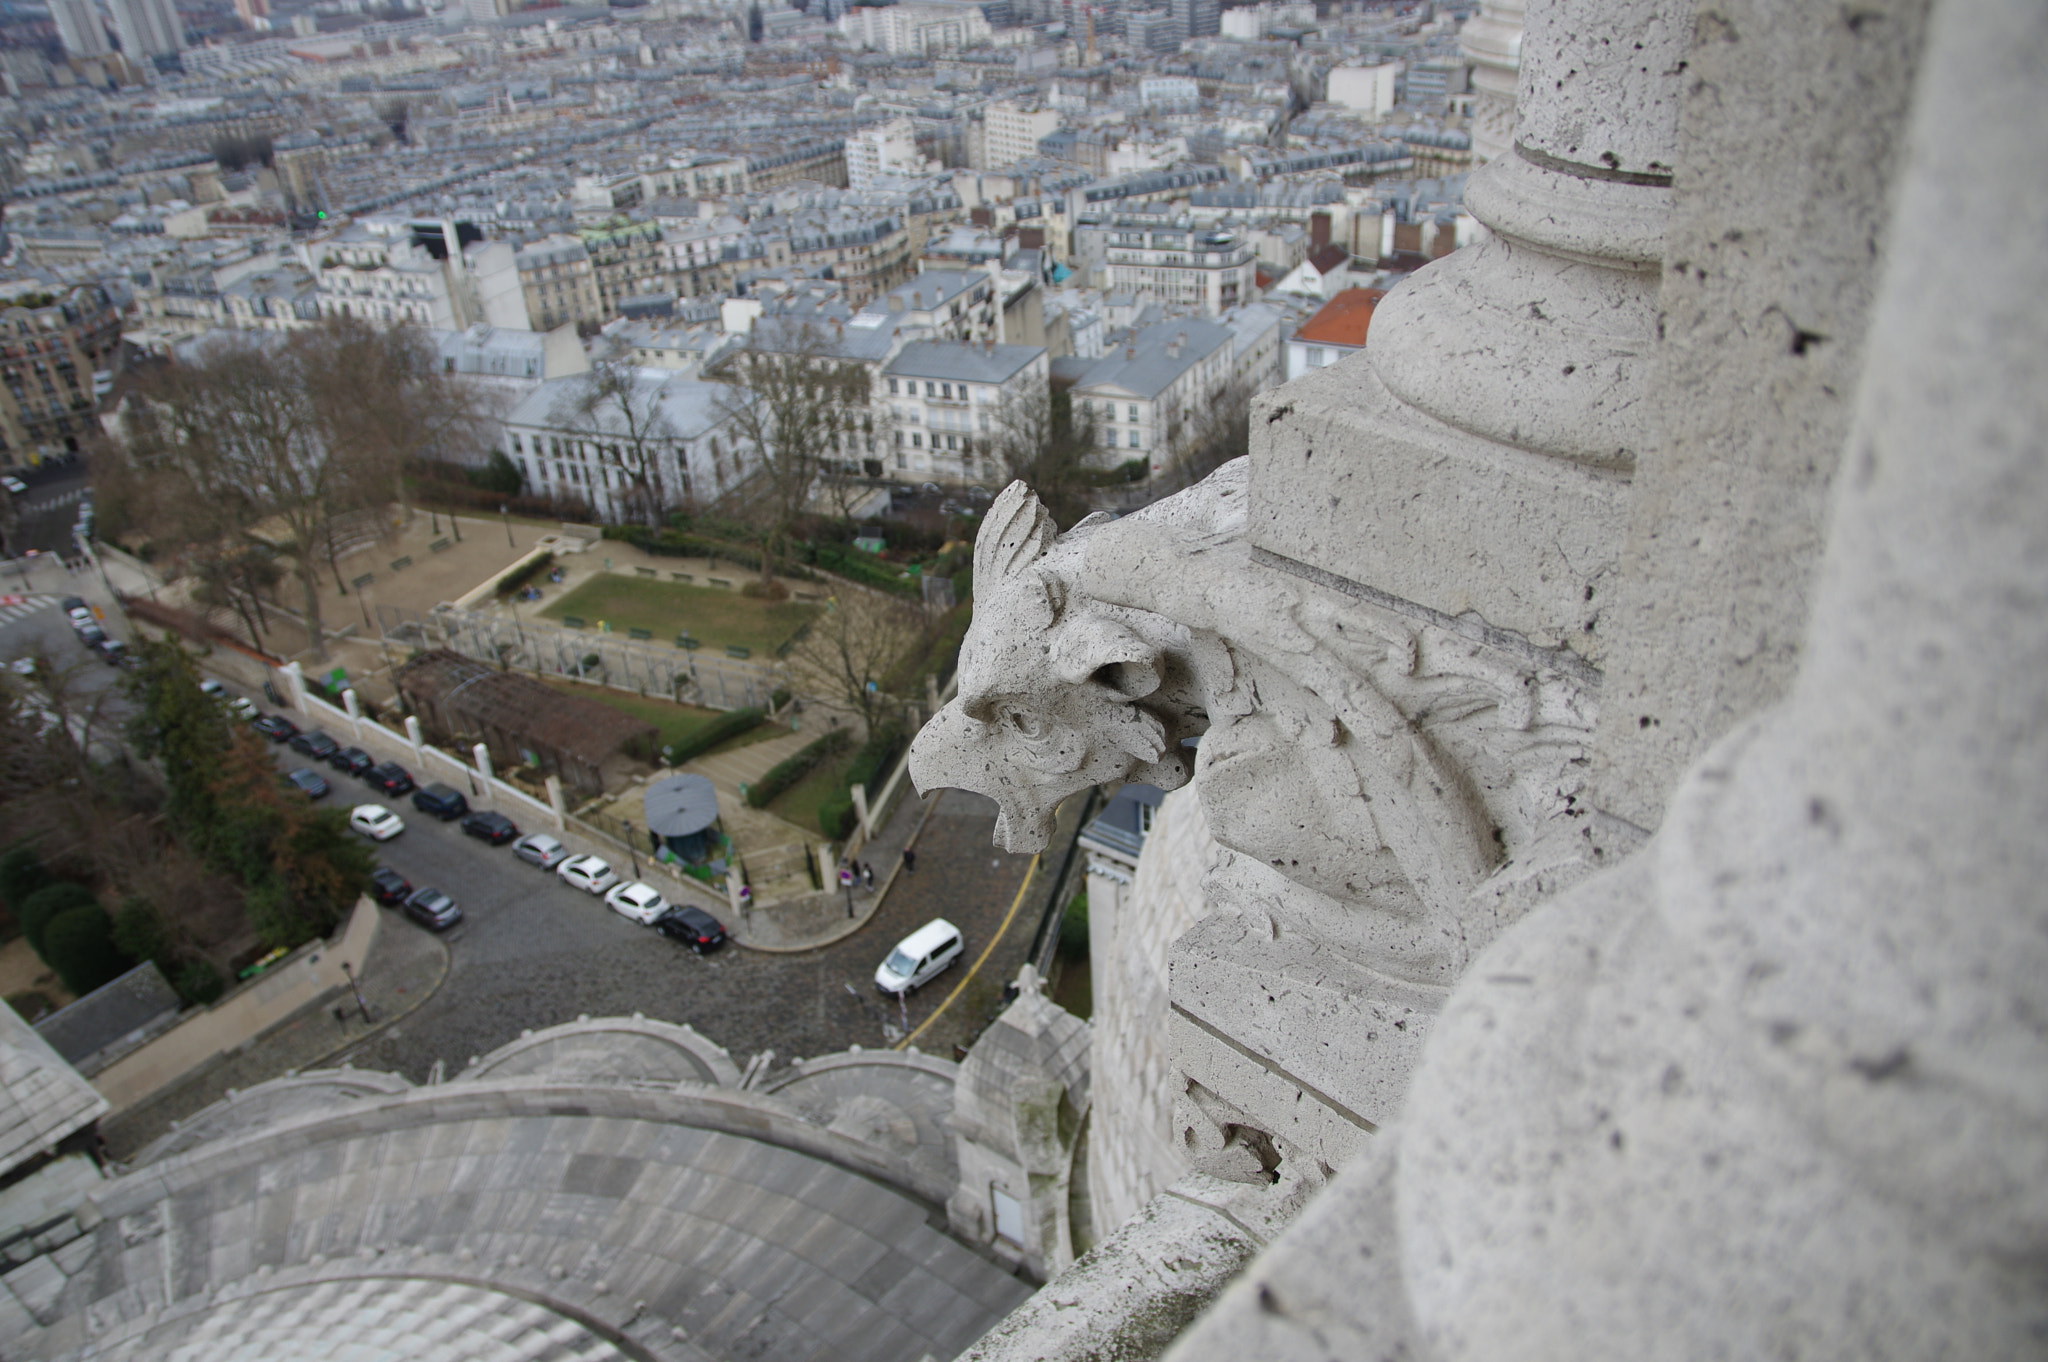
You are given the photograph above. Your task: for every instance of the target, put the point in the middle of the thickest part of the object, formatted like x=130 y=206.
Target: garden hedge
x=78 y=943
x=47 y=904
x=730 y=724
x=871 y=765
x=788 y=772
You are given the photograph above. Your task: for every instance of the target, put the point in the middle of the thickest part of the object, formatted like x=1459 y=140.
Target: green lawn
x=674 y=721
x=799 y=804
x=717 y=616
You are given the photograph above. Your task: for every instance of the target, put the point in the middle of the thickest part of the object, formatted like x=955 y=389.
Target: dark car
x=494 y=828
x=315 y=744
x=70 y=603
x=388 y=887
x=432 y=909
x=389 y=777
x=91 y=635
x=112 y=651
x=693 y=927
x=351 y=761
x=443 y=801
x=276 y=727
x=309 y=780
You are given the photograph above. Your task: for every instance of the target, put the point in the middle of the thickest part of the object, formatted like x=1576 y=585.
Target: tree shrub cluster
x=523 y=574
x=299 y=869
x=730 y=724
x=786 y=773
x=63 y=922
x=858 y=566
x=871 y=765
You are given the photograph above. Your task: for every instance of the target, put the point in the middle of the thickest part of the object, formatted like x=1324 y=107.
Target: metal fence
x=602 y=658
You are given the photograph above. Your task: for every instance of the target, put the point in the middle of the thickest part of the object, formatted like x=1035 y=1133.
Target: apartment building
x=1146 y=397
x=890 y=149
x=559 y=282
x=947 y=401
x=923 y=29
x=1011 y=132
x=628 y=259
x=51 y=345
x=1208 y=269
x=563 y=451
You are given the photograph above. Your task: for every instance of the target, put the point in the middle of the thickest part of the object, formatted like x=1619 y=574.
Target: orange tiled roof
x=1343 y=320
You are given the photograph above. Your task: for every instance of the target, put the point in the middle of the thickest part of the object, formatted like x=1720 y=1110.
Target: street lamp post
x=846 y=883
x=356 y=989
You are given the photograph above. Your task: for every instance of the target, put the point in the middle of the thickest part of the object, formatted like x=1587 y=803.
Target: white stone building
x=1147 y=396
x=686 y=426
x=948 y=400
x=1012 y=131
x=925 y=28
x=1182 y=265
x=890 y=149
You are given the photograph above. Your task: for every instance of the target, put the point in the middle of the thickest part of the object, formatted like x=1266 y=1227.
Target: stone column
x=1492 y=42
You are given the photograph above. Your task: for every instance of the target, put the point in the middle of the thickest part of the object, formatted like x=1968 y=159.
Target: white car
x=81 y=615
x=588 y=872
x=375 y=822
x=641 y=902
x=14 y=485
x=242 y=707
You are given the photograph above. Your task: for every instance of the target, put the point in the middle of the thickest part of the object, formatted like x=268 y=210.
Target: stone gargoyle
x=1375 y=759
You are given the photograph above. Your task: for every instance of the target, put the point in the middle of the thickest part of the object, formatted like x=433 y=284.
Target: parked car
x=541 y=850
x=14 y=484
x=241 y=707
x=113 y=652
x=389 y=887
x=488 y=826
x=309 y=780
x=694 y=927
x=91 y=635
x=445 y=802
x=71 y=603
x=390 y=777
x=919 y=958
x=432 y=909
x=315 y=744
x=375 y=822
x=276 y=727
x=81 y=615
x=641 y=902
x=214 y=691
x=351 y=761
x=589 y=873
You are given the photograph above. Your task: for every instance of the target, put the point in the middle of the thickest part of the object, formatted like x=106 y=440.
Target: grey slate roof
x=1153 y=368
x=961 y=361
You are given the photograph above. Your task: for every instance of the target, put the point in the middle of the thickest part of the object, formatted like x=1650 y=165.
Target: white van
x=919 y=957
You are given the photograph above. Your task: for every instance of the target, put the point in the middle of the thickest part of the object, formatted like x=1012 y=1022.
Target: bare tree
x=257 y=441
x=1040 y=438
x=849 y=649
x=790 y=405
x=1208 y=436
x=622 y=414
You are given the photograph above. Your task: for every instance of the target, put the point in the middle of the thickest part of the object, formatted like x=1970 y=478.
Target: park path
x=745 y=765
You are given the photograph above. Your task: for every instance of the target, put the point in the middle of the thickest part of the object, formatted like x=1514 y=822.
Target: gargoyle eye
x=1026 y=725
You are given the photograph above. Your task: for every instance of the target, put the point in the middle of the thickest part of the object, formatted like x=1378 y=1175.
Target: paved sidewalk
x=822 y=919
x=405 y=966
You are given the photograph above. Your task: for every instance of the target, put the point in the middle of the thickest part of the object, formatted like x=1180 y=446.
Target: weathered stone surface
x=1763 y=311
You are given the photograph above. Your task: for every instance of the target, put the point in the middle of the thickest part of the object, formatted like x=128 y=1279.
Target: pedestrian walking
x=867 y=875
x=909 y=860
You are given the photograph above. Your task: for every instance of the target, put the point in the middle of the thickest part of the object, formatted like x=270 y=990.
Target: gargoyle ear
x=1013 y=536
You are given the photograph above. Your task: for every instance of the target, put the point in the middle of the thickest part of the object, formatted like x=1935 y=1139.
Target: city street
x=531 y=952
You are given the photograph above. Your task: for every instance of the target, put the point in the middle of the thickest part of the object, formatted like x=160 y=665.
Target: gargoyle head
x=1050 y=684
